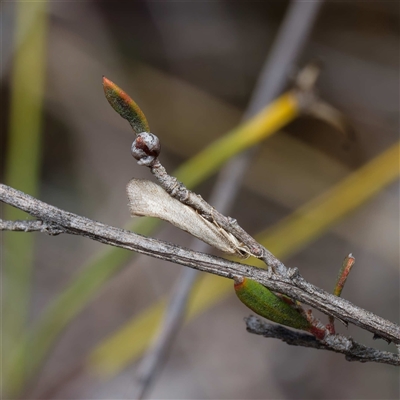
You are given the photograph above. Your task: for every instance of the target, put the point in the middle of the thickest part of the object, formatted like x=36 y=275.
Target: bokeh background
x=191 y=66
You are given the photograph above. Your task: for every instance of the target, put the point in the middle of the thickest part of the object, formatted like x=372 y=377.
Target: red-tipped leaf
x=125 y=106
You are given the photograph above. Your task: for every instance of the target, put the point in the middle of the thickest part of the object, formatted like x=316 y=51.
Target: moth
x=146 y=198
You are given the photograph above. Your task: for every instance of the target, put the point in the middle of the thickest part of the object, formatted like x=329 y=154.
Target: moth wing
x=146 y=198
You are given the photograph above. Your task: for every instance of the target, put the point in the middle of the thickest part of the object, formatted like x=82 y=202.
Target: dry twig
x=351 y=349
x=290 y=284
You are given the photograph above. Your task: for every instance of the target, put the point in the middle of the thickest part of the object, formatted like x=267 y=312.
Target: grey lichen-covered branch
x=290 y=284
x=30 y=226
x=337 y=343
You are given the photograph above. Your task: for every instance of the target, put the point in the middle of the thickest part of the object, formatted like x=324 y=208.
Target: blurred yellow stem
x=268 y=121
x=312 y=219
x=22 y=168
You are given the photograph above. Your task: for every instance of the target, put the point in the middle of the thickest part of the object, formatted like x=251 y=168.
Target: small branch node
x=293 y=273
x=146 y=148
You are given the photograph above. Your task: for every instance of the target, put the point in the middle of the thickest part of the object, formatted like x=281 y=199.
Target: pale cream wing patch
x=146 y=198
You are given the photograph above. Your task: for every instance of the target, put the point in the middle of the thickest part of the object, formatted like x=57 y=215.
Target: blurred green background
x=191 y=66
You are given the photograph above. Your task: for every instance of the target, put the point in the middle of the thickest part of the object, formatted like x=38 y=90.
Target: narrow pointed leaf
x=125 y=106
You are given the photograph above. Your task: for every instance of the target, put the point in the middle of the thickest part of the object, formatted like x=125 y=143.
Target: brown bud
x=146 y=148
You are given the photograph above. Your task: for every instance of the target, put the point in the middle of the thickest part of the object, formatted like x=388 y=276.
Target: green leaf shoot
x=125 y=106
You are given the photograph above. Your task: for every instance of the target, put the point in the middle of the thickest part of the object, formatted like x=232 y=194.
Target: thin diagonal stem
x=351 y=349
